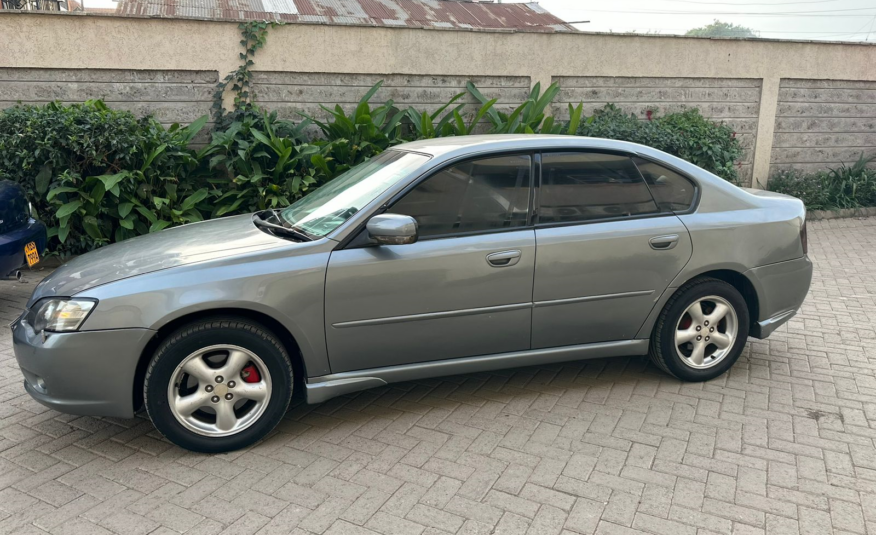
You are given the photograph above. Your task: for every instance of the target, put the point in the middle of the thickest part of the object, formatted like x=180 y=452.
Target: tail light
x=804 y=239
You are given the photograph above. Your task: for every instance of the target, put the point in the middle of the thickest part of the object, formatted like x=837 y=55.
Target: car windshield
x=332 y=204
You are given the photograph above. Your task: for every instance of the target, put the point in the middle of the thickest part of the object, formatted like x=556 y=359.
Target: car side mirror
x=392 y=229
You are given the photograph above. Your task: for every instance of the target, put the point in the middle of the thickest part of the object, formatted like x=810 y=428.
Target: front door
x=464 y=289
x=606 y=249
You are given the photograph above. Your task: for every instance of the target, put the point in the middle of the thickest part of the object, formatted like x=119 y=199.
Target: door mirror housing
x=392 y=229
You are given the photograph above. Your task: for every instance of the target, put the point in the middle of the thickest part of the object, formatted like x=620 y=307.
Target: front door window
x=474 y=196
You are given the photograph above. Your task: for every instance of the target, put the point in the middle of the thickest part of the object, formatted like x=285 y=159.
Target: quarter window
x=476 y=195
x=672 y=191
x=579 y=186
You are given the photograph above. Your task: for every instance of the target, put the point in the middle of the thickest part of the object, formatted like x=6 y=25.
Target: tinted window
x=477 y=195
x=586 y=186
x=673 y=192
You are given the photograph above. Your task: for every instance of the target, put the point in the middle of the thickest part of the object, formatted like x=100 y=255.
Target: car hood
x=187 y=244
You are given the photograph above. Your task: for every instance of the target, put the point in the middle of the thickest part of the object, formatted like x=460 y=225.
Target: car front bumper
x=781 y=289
x=87 y=372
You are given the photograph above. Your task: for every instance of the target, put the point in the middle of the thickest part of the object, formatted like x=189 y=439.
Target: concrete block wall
x=292 y=92
x=818 y=123
x=823 y=123
x=735 y=101
x=172 y=96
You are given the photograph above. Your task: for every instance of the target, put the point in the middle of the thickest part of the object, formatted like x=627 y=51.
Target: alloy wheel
x=706 y=332
x=219 y=390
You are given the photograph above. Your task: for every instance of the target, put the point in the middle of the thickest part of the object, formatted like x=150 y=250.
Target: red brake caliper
x=250 y=374
x=685 y=322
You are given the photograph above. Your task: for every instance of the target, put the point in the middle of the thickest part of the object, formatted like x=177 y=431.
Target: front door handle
x=503 y=259
x=664 y=243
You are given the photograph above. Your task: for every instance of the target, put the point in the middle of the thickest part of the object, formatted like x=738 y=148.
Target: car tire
x=689 y=341
x=196 y=407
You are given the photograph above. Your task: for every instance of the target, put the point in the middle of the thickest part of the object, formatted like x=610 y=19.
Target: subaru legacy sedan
x=435 y=258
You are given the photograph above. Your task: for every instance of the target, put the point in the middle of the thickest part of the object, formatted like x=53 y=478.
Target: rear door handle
x=503 y=259
x=664 y=243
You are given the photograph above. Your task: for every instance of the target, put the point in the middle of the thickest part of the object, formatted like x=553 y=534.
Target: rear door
x=464 y=289
x=606 y=250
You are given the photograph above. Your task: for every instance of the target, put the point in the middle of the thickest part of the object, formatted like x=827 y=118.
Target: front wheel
x=218 y=385
x=701 y=331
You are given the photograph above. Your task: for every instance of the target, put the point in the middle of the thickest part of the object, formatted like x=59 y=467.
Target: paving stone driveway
x=784 y=443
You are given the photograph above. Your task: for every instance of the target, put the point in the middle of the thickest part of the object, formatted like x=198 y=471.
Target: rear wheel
x=218 y=385
x=701 y=331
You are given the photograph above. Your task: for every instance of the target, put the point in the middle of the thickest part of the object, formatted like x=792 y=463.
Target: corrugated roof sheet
x=444 y=14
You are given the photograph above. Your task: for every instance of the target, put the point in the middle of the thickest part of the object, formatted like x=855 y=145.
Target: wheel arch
x=730 y=275
x=743 y=284
x=285 y=336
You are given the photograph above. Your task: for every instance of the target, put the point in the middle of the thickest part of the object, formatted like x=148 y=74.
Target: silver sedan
x=437 y=257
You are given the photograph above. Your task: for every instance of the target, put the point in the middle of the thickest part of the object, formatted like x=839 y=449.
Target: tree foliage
x=722 y=29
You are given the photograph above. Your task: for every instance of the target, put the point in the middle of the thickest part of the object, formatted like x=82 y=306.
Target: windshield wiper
x=279 y=229
x=276 y=215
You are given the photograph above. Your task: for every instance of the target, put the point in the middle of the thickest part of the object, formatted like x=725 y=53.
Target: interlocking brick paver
x=783 y=443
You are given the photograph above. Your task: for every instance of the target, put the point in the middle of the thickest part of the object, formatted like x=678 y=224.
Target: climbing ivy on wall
x=254 y=35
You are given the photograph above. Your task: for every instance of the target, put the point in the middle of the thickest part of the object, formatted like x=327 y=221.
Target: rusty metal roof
x=74 y=5
x=443 y=14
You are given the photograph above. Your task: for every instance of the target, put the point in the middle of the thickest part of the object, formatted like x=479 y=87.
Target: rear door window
x=587 y=186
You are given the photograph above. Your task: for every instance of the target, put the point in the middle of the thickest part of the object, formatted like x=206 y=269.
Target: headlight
x=59 y=314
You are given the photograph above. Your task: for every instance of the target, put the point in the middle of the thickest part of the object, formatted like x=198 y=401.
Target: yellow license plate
x=33 y=256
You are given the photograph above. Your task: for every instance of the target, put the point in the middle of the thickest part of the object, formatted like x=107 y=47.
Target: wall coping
x=13 y=12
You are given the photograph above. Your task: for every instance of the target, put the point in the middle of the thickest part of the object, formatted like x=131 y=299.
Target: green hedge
x=687 y=134
x=832 y=189
x=97 y=175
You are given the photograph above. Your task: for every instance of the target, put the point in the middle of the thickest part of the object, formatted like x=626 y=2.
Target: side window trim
x=354 y=240
x=535 y=184
x=631 y=156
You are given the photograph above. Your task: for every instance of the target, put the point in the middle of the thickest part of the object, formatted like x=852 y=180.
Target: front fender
x=289 y=289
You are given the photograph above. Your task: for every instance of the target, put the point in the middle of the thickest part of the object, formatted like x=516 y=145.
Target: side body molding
x=323 y=388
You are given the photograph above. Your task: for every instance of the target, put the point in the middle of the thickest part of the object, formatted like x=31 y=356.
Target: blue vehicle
x=22 y=237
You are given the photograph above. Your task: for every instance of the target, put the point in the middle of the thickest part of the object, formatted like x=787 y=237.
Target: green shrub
x=452 y=124
x=527 y=118
x=97 y=175
x=833 y=189
x=364 y=133
x=39 y=142
x=808 y=187
x=611 y=122
x=688 y=135
x=258 y=162
x=710 y=145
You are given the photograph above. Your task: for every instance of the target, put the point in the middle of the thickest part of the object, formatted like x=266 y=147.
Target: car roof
x=460 y=145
